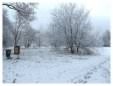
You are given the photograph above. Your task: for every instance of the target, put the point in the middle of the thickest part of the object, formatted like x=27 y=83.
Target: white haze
x=100 y=11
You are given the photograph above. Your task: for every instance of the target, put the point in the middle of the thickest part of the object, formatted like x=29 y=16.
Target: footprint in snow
x=80 y=81
x=87 y=77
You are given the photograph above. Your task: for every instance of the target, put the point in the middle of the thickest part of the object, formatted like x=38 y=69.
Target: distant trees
x=38 y=38
x=55 y=36
x=7 y=30
x=106 y=38
x=29 y=36
x=72 y=25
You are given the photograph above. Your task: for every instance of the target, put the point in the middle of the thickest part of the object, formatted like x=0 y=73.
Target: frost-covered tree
x=26 y=16
x=24 y=13
x=26 y=10
x=7 y=30
x=72 y=24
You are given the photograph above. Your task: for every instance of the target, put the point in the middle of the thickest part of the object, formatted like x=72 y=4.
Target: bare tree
x=106 y=38
x=74 y=23
x=24 y=9
x=18 y=27
x=25 y=13
x=7 y=30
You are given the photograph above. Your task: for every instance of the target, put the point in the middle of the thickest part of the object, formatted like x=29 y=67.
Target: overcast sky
x=99 y=12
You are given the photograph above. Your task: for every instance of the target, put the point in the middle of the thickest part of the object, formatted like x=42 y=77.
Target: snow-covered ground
x=45 y=65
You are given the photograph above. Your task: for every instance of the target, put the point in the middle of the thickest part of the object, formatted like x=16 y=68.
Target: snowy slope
x=45 y=65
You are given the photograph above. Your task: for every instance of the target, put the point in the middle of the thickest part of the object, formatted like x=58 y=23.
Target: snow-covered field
x=45 y=65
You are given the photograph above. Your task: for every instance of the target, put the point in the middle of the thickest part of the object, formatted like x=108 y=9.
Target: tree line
x=70 y=27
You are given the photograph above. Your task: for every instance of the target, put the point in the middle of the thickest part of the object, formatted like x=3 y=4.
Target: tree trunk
x=39 y=43
x=72 y=50
x=77 y=50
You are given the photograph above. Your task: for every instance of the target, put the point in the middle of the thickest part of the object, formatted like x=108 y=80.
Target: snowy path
x=46 y=66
